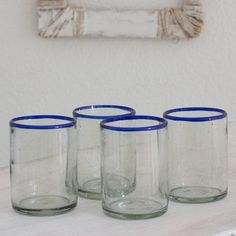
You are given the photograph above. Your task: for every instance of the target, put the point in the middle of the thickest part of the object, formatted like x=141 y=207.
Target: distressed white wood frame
x=57 y=18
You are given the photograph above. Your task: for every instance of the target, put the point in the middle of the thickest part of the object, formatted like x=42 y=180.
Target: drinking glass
x=43 y=164
x=88 y=127
x=134 y=167
x=197 y=150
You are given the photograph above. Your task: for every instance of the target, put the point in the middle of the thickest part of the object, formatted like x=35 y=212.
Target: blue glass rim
x=222 y=114
x=163 y=123
x=76 y=112
x=71 y=122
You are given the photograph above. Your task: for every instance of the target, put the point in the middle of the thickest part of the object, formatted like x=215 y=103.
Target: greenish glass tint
x=88 y=120
x=43 y=165
x=134 y=167
x=197 y=150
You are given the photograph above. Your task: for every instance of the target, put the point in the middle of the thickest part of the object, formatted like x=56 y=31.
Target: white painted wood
x=61 y=18
x=88 y=219
x=121 y=23
x=126 y=4
x=94 y=23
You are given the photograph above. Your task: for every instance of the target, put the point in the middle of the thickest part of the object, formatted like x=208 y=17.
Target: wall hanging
x=60 y=18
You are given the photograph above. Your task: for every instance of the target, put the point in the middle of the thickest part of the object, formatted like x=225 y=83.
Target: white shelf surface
x=87 y=219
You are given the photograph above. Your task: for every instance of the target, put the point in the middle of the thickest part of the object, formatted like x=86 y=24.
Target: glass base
x=91 y=189
x=135 y=208
x=116 y=186
x=44 y=205
x=196 y=194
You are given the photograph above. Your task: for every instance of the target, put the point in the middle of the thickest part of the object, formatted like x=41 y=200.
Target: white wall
x=54 y=76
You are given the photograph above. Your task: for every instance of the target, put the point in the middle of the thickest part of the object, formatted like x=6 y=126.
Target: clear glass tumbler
x=197 y=150
x=134 y=167
x=88 y=127
x=43 y=164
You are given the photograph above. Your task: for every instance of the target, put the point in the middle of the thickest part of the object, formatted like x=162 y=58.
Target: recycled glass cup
x=88 y=120
x=197 y=150
x=134 y=167
x=43 y=164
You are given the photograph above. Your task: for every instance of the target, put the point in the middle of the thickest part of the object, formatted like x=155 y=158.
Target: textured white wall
x=39 y=76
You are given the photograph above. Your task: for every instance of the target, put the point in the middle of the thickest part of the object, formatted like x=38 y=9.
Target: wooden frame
x=57 y=18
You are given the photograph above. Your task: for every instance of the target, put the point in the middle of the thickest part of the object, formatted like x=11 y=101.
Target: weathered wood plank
x=58 y=19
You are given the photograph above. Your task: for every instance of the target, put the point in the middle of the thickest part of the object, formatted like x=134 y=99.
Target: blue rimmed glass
x=197 y=150
x=88 y=127
x=134 y=167
x=43 y=164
